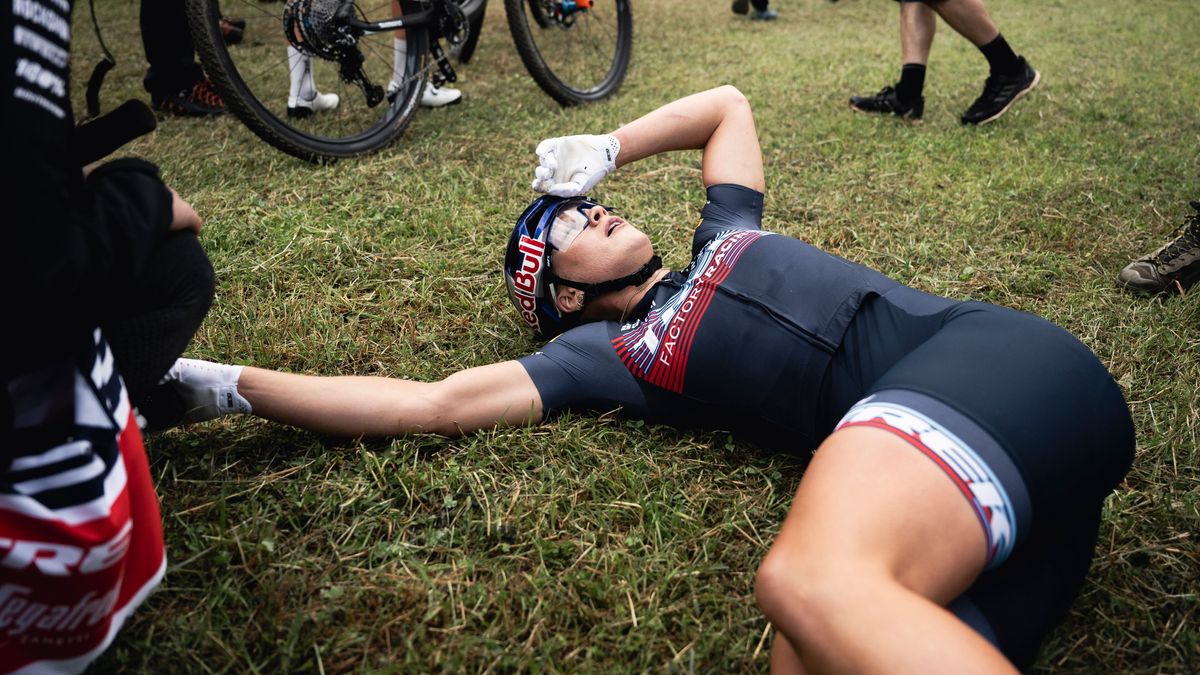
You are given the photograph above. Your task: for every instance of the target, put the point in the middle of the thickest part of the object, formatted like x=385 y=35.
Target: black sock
x=912 y=82
x=1002 y=59
x=759 y=5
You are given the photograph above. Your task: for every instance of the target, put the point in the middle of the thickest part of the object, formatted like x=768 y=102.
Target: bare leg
x=918 y=23
x=784 y=659
x=969 y=18
x=877 y=541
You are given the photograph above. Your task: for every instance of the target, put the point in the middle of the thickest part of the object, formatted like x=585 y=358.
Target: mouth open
x=616 y=222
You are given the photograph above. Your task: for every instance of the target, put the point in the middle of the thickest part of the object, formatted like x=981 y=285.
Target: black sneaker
x=199 y=100
x=232 y=30
x=1174 y=267
x=741 y=6
x=999 y=93
x=886 y=101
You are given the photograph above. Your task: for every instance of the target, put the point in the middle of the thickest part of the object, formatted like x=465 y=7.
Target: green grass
x=603 y=545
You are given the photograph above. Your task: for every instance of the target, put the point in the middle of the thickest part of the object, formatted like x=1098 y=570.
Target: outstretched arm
x=719 y=121
x=477 y=398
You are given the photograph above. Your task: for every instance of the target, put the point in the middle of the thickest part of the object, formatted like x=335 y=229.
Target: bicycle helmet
x=528 y=266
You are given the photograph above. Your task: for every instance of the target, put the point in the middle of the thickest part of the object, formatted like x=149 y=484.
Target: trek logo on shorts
x=656 y=349
x=964 y=467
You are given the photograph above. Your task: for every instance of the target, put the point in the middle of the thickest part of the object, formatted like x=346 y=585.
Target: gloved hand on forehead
x=573 y=165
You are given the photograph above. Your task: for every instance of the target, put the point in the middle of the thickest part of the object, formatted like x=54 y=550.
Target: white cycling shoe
x=433 y=96
x=208 y=390
x=318 y=103
x=437 y=97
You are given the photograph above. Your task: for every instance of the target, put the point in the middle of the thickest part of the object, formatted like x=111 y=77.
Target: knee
x=733 y=97
x=792 y=585
x=803 y=589
x=195 y=283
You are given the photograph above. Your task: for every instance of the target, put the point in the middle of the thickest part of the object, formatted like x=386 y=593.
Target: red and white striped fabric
x=80 y=531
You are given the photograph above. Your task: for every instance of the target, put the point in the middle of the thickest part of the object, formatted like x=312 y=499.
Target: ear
x=568 y=299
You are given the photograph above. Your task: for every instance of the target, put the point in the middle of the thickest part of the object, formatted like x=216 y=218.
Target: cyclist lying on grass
x=962 y=449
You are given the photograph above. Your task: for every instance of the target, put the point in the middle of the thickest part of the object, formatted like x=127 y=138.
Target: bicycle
x=576 y=50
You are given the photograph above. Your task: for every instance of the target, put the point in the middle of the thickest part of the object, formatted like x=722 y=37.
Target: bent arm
x=718 y=120
x=477 y=398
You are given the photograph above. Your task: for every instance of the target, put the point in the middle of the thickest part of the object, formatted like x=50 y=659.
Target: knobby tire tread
x=210 y=47
x=544 y=75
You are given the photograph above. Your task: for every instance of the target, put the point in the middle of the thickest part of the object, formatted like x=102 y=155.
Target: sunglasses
x=570 y=221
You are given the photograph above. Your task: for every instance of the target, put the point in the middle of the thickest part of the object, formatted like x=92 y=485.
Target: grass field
x=602 y=545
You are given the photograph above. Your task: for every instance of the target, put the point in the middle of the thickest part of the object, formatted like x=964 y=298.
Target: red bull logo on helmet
x=526 y=277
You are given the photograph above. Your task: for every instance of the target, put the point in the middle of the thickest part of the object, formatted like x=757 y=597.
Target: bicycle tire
x=577 y=57
x=248 y=77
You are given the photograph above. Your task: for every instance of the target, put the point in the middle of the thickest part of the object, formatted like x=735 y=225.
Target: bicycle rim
x=574 y=56
x=254 y=76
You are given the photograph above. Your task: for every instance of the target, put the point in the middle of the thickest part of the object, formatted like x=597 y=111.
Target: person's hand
x=183 y=216
x=573 y=165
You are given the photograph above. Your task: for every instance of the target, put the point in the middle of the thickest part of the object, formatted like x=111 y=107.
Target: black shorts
x=1060 y=428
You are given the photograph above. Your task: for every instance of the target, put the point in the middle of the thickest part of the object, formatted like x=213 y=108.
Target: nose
x=596 y=214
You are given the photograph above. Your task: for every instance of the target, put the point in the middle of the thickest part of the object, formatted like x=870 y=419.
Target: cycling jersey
x=739 y=340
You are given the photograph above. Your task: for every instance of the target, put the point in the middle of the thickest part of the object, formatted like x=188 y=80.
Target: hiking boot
x=999 y=93
x=196 y=101
x=1174 y=267
x=741 y=6
x=767 y=14
x=886 y=101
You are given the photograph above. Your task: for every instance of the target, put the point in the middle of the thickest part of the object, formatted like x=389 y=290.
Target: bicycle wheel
x=575 y=54
x=254 y=76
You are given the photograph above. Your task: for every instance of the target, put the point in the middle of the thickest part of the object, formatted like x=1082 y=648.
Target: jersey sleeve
x=729 y=207
x=579 y=371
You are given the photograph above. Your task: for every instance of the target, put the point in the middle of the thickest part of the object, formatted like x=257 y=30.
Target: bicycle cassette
x=310 y=26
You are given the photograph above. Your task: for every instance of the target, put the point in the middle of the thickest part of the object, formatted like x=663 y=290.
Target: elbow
x=437 y=412
x=452 y=409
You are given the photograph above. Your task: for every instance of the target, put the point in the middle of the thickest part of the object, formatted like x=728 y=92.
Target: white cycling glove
x=573 y=165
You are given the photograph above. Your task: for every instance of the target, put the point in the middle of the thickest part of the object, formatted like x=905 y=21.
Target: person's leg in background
x=175 y=81
x=762 y=12
x=1010 y=76
x=435 y=95
x=918 y=25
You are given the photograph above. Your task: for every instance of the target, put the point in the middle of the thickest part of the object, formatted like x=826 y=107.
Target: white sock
x=208 y=389
x=300 y=71
x=399 y=60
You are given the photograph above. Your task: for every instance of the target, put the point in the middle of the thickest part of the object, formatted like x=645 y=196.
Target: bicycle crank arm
x=443 y=63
